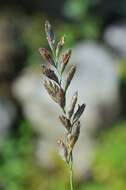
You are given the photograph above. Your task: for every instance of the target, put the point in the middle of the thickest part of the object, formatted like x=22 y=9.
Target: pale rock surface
x=115 y=37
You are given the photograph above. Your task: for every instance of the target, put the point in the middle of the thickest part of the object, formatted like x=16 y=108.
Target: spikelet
x=62 y=150
x=56 y=93
x=65 y=59
x=50 y=74
x=46 y=55
x=70 y=77
x=79 y=112
x=61 y=97
x=72 y=105
x=60 y=46
x=73 y=136
x=66 y=122
x=49 y=34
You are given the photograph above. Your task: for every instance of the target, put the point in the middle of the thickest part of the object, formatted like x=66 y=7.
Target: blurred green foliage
x=15 y=159
x=78 y=9
x=87 y=24
x=19 y=171
x=109 y=166
x=122 y=71
x=18 y=167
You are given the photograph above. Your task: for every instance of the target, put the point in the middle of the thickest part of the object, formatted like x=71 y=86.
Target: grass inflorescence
x=57 y=85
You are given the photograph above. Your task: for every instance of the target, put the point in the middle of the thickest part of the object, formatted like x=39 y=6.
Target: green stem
x=71 y=172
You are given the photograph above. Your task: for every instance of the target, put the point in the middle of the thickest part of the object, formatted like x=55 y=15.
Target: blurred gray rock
x=7 y=116
x=96 y=80
x=115 y=36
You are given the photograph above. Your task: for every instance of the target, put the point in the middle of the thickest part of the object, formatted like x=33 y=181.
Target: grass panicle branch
x=53 y=71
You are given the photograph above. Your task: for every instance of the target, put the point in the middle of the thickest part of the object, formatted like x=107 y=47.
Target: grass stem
x=71 y=172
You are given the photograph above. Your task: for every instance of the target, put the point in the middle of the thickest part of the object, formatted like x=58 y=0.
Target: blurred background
x=29 y=128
